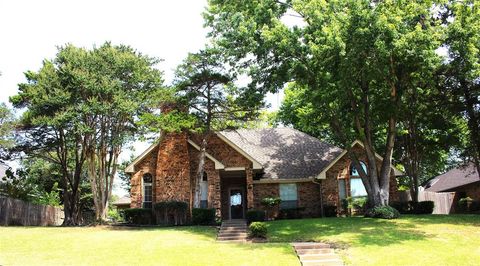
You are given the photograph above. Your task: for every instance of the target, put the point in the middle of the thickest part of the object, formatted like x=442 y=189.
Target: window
x=354 y=172
x=204 y=191
x=356 y=188
x=288 y=195
x=147 y=191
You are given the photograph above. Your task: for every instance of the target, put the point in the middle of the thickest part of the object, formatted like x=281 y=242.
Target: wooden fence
x=443 y=201
x=18 y=212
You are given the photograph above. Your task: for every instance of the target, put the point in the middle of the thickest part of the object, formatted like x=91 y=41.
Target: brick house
x=244 y=166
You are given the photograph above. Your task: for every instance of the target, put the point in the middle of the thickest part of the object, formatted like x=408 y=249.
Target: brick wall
x=147 y=165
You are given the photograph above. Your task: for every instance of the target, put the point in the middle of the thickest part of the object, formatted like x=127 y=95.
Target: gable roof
x=284 y=153
x=456 y=177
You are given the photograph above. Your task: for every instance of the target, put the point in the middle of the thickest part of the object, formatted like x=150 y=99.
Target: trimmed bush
x=292 y=213
x=171 y=212
x=423 y=207
x=255 y=216
x=329 y=210
x=258 y=229
x=203 y=216
x=138 y=216
x=384 y=212
x=402 y=207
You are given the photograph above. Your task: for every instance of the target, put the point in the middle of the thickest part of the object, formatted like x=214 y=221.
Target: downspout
x=321 y=196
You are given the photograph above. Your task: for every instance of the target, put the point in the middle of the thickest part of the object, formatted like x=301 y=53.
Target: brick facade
x=173 y=165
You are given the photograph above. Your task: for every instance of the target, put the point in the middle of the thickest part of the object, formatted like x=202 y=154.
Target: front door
x=236 y=204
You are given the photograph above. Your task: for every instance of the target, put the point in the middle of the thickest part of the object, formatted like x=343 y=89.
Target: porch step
x=315 y=254
x=234 y=231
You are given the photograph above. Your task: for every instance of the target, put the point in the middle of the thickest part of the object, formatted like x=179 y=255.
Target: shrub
x=271 y=202
x=329 y=210
x=402 y=207
x=291 y=213
x=258 y=229
x=423 y=207
x=384 y=212
x=171 y=212
x=138 y=216
x=203 y=216
x=255 y=216
x=115 y=215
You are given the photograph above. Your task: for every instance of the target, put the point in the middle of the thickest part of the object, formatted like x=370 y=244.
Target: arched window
x=147 y=191
x=357 y=189
x=204 y=191
x=354 y=172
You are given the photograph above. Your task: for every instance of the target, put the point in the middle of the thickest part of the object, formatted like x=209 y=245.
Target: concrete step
x=312 y=245
x=221 y=238
x=232 y=234
x=233 y=241
x=234 y=228
x=314 y=251
x=332 y=262
x=306 y=257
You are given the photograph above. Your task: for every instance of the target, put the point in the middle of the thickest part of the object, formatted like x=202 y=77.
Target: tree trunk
x=200 y=170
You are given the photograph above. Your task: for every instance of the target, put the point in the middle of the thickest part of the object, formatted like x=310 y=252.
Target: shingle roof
x=452 y=179
x=284 y=152
x=122 y=201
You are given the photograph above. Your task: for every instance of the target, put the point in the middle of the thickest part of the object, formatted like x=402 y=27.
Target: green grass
x=410 y=240
x=124 y=246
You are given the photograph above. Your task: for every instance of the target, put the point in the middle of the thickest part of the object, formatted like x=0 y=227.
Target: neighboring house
x=244 y=166
x=463 y=180
x=122 y=203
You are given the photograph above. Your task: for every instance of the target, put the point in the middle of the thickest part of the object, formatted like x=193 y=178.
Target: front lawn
x=410 y=240
x=132 y=246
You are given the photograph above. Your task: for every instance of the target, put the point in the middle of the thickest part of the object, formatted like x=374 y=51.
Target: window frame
x=147 y=204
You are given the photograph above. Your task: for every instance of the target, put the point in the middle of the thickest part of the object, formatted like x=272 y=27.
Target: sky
x=31 y=31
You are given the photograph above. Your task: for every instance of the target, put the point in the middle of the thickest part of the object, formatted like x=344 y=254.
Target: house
x=122 y=203
x=244 y=166
x=463 y=180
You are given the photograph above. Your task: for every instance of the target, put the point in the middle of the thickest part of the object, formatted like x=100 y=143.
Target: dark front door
x=236 y=204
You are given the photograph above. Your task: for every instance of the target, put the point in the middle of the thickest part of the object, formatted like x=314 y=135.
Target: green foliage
x=138 y=216
x=411 y=207
x=384 y=212
x=51 y=198
x=258 y=230
x=293 y=213
x=115 y=215
x=7 y=124
x=423 y=207
x=255 y=216
x=330 y=210
x=165 y=210
x=271 y=202
x=203 y=216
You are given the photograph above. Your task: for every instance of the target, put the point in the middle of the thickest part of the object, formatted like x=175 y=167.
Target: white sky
x=31 y=30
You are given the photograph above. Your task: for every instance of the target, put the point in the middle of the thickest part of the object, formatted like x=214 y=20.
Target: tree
x=81 y=108
x=210 y=95
x=460 y=76
x=354 y=59
x=7 y=124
